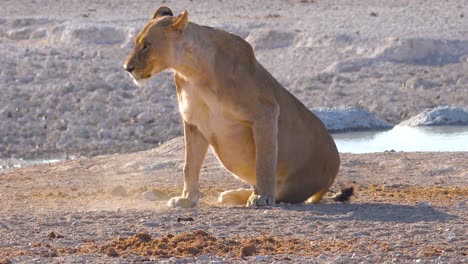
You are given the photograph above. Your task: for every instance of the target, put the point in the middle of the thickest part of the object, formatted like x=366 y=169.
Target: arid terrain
x=64 y=96
x=408 y=207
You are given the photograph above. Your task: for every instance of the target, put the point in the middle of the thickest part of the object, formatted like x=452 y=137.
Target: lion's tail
x=344 y=195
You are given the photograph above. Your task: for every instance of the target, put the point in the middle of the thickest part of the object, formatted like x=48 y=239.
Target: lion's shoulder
x=228 y=48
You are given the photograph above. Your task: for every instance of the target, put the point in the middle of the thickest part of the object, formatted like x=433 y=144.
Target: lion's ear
x=181 y=21
x=162 y=11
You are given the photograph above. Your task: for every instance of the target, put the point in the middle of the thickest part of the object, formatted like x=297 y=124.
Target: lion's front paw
x=181 y=202
x=260 y=200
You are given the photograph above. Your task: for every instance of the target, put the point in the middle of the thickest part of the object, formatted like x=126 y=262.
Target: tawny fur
x=258 y=130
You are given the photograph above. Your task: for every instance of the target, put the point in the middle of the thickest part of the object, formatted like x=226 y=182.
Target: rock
x=19 y=34
x=145 y=118
x=104 y=134
x=270 y=39
x=47 y=253
x=439 y=116
x=203 y=259
x=39 y=34
x=424 y=204
x=88 y=34
x=462 y=204
x=26 y=79
x=111 y=252
x=346 y=118
x=152 y=224
x=451 y=237
x=246 y=251
x=421 y=51
x=419 y=83
x=119 y=191
x=52 y=235
x=144 y=237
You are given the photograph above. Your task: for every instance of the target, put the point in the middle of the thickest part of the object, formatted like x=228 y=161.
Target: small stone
x=104 y=134
x=188 y=219
x=424 y=204
x=462 y=204
x=26 y=79
x=111 y=252
x=47 y=254
x=145 y=118
x=451 y=237
x=203 y=259
x=149 y=195
x=119 y=191
x=144 y=237
x=152 y=224
x=52 y=235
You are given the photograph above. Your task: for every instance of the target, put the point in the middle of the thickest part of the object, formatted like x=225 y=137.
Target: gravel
x=406 y=209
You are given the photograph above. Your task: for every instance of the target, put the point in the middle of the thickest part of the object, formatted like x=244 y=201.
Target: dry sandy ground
x=408 y=207
x=63 y=92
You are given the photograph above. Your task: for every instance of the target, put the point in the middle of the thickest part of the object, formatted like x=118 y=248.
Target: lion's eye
x=145 y=45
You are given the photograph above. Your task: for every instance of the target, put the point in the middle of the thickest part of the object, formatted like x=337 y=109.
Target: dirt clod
x=188 y=219
x=52 y=235
x=111 y=252
x=144 y=237
x=48 y=253
x=247 y=251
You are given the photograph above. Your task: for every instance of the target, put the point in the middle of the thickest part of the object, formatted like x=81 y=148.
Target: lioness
x=258 y=130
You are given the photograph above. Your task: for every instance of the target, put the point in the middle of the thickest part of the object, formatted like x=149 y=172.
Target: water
x=400 y=138
x=441 y=138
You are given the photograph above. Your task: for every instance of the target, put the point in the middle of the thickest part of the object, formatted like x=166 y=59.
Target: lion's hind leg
x=235 y=197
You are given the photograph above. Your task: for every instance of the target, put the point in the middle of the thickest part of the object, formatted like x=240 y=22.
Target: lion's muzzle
x=128 y=68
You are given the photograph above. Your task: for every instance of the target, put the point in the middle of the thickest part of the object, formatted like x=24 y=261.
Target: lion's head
x=157 y=46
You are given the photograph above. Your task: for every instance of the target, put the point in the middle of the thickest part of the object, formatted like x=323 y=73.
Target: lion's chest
x=203 y=110
x=231 y=140
x=194 y=108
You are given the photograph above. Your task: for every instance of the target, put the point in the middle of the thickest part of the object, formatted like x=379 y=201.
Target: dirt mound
x=197 y=243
